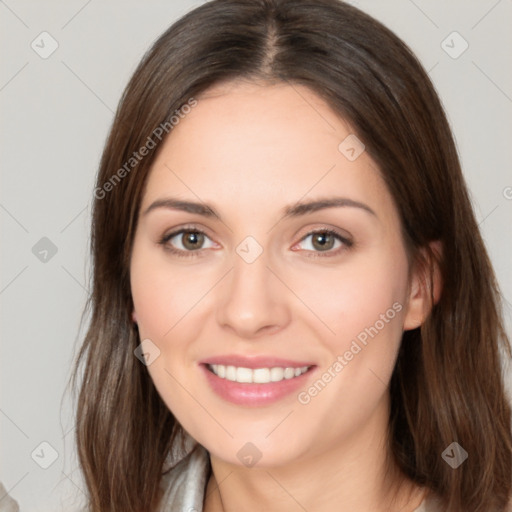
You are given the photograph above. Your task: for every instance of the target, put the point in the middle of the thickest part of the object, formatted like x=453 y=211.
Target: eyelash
x=315 y=254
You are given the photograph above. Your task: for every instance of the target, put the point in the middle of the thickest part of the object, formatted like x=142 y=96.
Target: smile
x=256 y=375
x=256 y=381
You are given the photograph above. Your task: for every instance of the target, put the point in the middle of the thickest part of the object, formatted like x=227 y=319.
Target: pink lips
x=253 y=394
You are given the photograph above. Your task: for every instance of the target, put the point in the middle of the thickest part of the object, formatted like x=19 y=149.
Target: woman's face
x=267 y=278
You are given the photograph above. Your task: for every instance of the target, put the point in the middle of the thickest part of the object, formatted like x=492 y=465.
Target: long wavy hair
x=448 y=383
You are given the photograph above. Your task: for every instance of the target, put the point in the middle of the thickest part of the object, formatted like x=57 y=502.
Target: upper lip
x=255 y=361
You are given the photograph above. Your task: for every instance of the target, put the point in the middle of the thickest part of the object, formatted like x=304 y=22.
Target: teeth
x=258 y=375
x=276 y=374
x=231 y=373
x=243 y=375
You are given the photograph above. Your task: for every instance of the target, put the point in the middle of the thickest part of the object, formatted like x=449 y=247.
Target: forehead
x=246 y=144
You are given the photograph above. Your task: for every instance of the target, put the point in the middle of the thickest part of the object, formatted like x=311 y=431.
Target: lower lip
x=254 y=395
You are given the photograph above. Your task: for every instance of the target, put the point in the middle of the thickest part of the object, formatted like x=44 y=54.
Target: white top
x=184 y=485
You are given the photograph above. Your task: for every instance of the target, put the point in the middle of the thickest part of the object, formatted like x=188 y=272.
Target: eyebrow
x=294 y=210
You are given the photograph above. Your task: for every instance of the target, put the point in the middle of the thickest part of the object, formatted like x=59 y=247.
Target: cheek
x=162 y=294
x=364 y=306
x=361 y=306
x=154 y=303
x=353 y=297
x=164 y=299
x=171 y=306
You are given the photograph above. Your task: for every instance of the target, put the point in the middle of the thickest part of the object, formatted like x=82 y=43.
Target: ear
x=425 y=287
x=134 y=317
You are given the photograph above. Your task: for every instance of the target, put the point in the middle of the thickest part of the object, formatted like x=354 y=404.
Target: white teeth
x=258 y=375
x=276 y=374
x=243 y=375
x=289 y=373
x=230 y=372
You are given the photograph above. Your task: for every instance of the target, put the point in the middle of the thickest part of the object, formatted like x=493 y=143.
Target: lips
x=255 y=381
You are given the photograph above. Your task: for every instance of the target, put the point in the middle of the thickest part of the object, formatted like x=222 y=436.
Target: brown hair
x=447 y=385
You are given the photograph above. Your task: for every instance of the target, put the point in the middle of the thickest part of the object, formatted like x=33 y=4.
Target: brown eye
x=186 y=242
x=192 y=240
x=323 y=240
x=326 y=241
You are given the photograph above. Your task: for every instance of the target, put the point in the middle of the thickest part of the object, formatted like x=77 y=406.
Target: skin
x=249 y=150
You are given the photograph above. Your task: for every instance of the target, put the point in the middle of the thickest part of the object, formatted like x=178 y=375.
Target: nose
x=252 y=301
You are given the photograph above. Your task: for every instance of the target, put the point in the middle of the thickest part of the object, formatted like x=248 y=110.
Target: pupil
x=192 y=239
x=321 y=239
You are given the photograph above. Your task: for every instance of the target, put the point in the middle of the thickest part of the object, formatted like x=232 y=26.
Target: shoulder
x=184 y=484
x=431 y=503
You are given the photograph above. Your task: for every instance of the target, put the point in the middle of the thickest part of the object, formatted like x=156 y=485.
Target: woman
x=292 y=305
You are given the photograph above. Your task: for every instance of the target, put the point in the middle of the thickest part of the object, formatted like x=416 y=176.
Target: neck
x=351 y=477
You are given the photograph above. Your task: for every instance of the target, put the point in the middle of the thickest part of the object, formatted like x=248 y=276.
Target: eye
x=324 y=241
x=185 y=242
x=189 y=241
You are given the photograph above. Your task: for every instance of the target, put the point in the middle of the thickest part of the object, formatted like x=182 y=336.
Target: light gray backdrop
x=58 y=92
